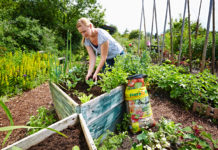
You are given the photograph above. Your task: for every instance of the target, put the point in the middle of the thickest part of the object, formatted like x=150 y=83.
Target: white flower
x=158 y=146
x=151 y=134
x=147 y=147
x=167 y=144
x=163 y=139
x=156 y=141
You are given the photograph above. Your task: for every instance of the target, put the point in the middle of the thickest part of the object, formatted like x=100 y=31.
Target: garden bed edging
x=101 y=113
x=41 y=135
x=205 y=110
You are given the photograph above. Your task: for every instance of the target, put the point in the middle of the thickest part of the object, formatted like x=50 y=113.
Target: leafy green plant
x=91 y=83
x=73 y=83
x=196 y=138
x=201 y=87
x=124 y=125
x=44 y=118
x=166 y=135
x=169 y=135
x=79 y=70
x=111 y=141
x=84 y=98
x=111 y=79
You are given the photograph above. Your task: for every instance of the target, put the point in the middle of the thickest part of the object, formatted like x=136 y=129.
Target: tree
x=58 y=15
x=27 y=34
x=134 y=34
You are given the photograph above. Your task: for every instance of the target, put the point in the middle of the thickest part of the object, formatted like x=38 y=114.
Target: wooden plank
x=87 y=134
x=61 y=112
x=101 y=113
x=64 y=105
x=107 y=121
x=36 y=138
x=97 y=106
x=57 y=89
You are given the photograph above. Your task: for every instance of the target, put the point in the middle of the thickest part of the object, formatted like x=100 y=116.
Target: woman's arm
x=92 y=60
x=104 y=52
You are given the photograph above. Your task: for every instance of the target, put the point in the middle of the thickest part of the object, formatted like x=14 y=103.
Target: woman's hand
x=95 y=77
x=88 y=76
x=91 y=62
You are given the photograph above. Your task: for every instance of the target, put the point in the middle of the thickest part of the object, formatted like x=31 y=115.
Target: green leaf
x=16 y=148
x=76 y=148
x=8 y=128
x=142 y=136
x=189 y=136
x=209 y=136
x=8 y=113
x=187 y=129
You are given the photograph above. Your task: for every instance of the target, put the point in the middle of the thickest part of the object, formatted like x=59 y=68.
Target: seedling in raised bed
x=84 y=98
x=75 y=80
x=76 y=148
x=124 y=125
x=91 y=83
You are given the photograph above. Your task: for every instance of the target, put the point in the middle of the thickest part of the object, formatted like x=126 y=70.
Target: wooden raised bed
x=38 y=137
x=205 y=110
x=101 y=113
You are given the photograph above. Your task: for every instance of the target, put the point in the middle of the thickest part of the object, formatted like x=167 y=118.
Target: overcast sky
x=125 y=14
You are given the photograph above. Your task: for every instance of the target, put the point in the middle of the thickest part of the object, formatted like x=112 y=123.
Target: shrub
x=27 y=35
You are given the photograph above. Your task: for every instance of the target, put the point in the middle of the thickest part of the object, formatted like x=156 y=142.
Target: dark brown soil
x=58 y=142
x=25 y=105
x=82 y=87
x=22 y=107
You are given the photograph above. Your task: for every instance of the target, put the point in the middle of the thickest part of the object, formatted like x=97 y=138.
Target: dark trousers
x=110 y=62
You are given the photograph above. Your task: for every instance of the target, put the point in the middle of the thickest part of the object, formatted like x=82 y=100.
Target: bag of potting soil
x=138 y=104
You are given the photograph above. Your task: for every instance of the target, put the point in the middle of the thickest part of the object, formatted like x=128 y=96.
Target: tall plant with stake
x=58 y=70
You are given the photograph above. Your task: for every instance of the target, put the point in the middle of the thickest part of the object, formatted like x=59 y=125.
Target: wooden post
x=144 y=26
x=196 y=33
x=213 y=44
x=189 y=41
x=171 y=32
x=155 y=13
x=165 y=22
x=140 y=27
x=206 y=38
x=152 y=26
x=183 y=22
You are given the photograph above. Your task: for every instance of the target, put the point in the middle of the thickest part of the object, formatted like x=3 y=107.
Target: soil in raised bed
x=58 y=142
x=82 y=87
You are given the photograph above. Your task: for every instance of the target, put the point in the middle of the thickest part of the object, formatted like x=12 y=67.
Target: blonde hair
x=85 y=22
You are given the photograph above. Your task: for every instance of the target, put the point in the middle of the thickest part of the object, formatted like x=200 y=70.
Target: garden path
x=25 y=105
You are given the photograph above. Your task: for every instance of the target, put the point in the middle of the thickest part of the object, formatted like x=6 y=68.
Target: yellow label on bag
x=134 y=94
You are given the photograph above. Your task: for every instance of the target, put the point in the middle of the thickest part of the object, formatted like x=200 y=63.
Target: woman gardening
x=98 y=41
